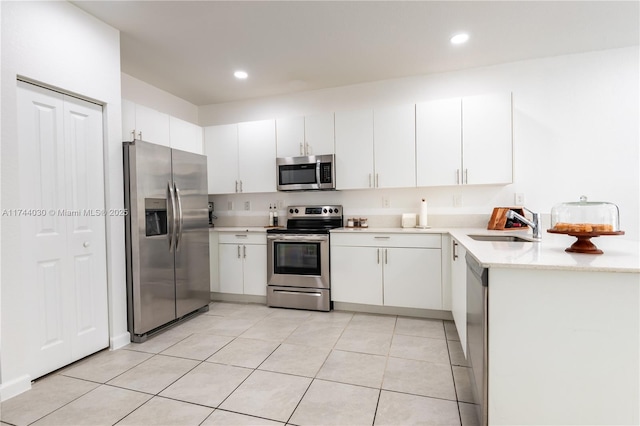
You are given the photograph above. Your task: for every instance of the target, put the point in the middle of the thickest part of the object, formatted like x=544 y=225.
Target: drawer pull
x=381 y=238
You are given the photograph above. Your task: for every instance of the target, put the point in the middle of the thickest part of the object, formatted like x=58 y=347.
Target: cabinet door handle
x=386 y=256
x=466 y=175
x=377 y=181
x=133 y=134
x=378 y=252
x=454 y=251
x=241 y=235
x=381 y=237
x=238 y=252
x=244 y=252
x=369 y=180
x=307 y=149
x=457 y=176
x=241 y=186
x=301 y=149
x=236 y=186
x=140 y=135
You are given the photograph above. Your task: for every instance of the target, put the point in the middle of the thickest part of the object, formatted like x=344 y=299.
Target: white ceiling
x=191 y=48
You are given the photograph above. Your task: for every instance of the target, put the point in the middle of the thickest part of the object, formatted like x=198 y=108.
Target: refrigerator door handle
x=170 y=219
x=179 y=221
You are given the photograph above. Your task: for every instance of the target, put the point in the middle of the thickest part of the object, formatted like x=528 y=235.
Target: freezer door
x=150 y=262
x=192 y=232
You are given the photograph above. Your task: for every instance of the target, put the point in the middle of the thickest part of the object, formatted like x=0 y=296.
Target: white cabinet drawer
x=387 y=240
x=242 y=238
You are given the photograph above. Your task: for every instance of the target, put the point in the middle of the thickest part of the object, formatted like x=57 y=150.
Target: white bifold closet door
x=62 y=228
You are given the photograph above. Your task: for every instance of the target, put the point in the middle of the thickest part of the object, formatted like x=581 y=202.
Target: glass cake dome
x=584 y=220
x=584 y=216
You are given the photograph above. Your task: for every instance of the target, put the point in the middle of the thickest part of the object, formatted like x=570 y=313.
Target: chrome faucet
x=534 y=224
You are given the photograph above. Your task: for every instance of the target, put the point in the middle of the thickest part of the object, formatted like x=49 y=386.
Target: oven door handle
x=287 y=238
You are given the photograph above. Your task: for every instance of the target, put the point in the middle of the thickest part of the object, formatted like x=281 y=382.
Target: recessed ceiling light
x=460 y=38
x=240 y=75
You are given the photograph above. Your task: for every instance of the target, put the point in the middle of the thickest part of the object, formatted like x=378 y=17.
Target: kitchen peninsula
x=563 y=330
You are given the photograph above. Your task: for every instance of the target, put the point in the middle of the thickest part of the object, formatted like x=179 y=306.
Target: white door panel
x=439 y=142
x=394 y=142
x=354 y=149
x=255 y=269
x=64 y=255
x=86 y=233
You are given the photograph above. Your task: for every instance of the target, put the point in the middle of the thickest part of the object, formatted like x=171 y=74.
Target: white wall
x=143 y=93
x=59 y=45
x=576 y=131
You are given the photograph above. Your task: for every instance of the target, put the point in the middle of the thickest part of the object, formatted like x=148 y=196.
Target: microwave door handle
x=318 y=173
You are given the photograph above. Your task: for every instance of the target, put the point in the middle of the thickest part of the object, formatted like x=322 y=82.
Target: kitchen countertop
x=620 y=254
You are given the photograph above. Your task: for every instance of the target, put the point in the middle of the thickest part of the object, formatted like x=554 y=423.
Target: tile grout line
x=453 y=377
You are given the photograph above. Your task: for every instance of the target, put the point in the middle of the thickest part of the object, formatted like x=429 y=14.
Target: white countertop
x=620 y=254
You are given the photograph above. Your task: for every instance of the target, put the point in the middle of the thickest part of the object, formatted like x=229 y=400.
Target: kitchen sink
x=508 y=238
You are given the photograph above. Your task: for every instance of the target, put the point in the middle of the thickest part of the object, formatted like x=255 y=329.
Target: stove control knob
x=324 y=210
x=291 y=211
x=335 y=210
x=297 y=211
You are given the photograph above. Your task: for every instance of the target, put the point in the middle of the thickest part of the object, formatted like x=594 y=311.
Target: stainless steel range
x=298 y=273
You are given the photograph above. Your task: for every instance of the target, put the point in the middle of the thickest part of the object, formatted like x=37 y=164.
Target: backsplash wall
x=469 y=209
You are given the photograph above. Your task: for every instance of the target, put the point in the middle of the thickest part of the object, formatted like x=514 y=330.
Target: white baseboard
x=15 y=387
x=120 y=341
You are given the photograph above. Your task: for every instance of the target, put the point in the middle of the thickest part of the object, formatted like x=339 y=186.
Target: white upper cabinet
x=221 y=149
x=241 y=157
x=151 y=126
x=140 y=122
x=257 y=156
x=394 y=141
x=310 y=135
x=319 y=134
x=376 y=148
x=487 y=139
x=290 y=136
x=464 y=141
x=128 y=120
x=185 y=136
x=439 y=142
x=354 y=149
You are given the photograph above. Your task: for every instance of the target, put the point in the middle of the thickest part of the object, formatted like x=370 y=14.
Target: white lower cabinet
x=387 y=270
x=356 y=275
x=412 y=278
x=459 y=291
x=242 y=262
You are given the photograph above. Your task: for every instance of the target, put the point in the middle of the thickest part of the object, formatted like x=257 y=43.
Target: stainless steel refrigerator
x=167 y=236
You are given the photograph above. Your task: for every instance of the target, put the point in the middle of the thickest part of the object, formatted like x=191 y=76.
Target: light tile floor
x=247 y=364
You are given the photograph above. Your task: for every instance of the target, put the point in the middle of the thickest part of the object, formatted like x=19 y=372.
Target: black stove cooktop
x=311 y=220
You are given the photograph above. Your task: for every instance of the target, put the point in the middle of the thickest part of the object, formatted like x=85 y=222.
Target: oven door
x=298 y=260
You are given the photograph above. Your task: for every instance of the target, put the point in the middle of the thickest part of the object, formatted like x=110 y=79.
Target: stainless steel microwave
x=314 y=172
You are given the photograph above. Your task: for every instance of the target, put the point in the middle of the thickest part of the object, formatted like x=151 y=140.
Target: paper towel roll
x=423 y=213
